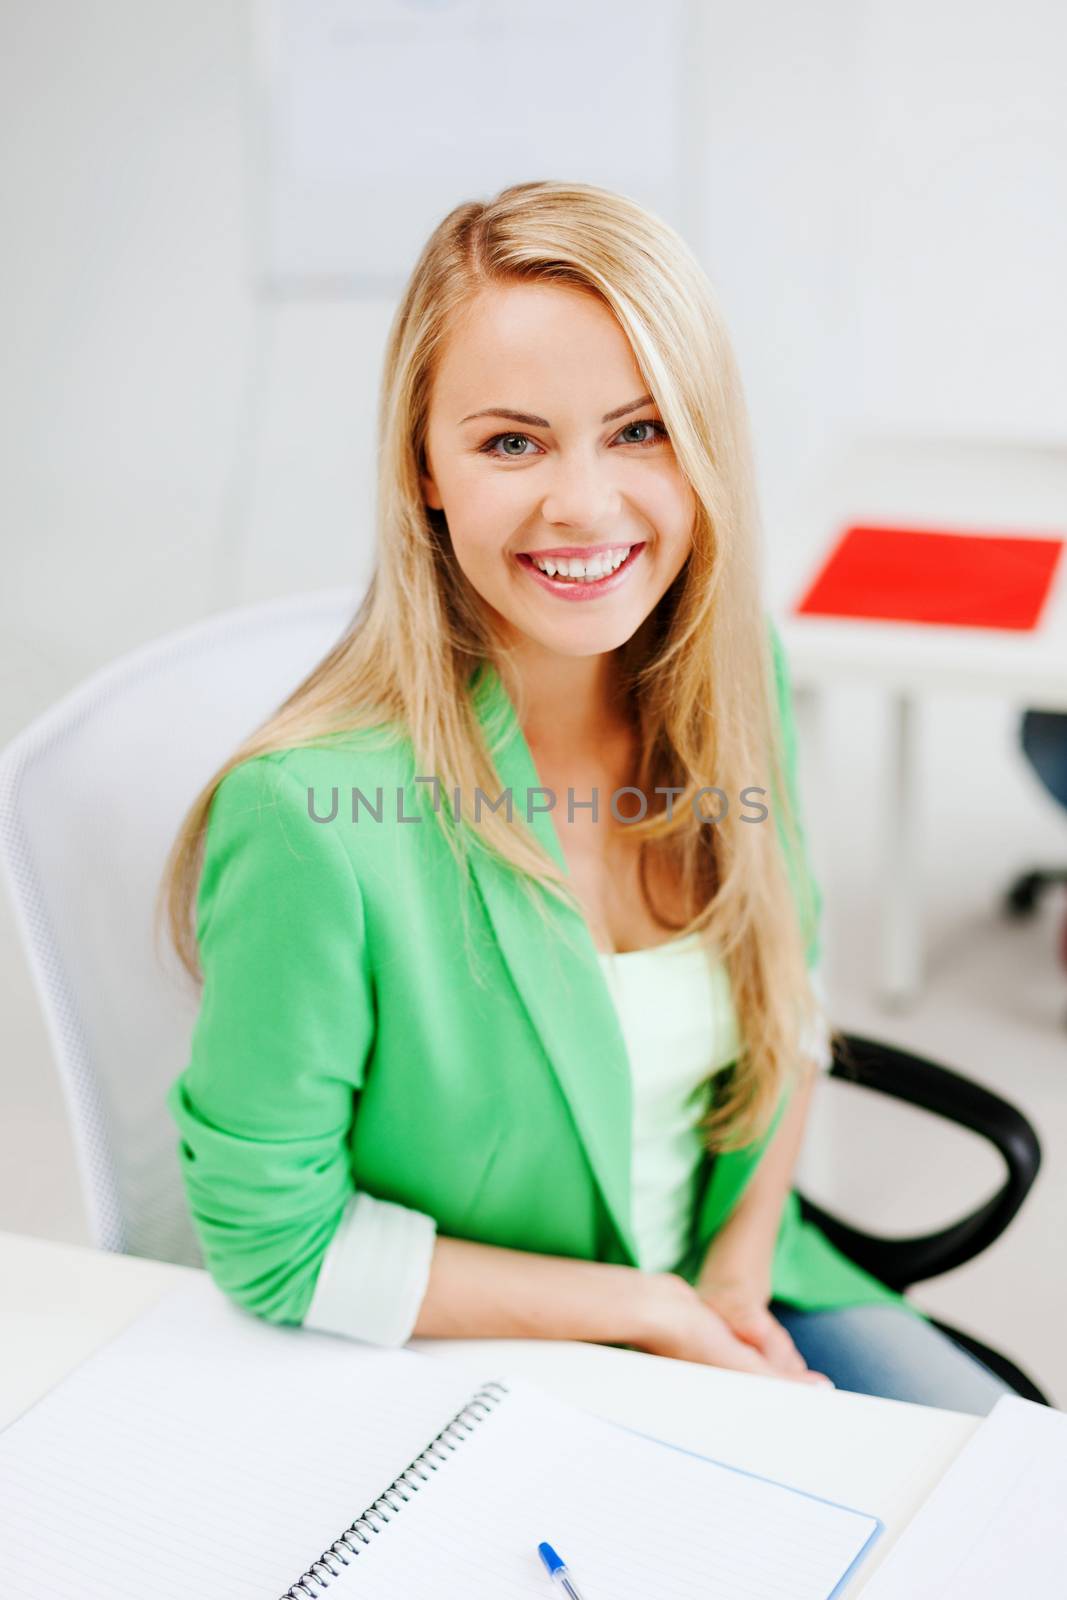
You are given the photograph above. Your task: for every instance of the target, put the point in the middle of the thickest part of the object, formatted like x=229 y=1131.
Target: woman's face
x=542 y=442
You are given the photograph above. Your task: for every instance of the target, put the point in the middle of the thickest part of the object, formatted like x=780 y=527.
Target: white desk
x=59 y=1302
x=950 y=485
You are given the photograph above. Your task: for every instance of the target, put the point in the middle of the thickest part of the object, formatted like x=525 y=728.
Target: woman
x=414 y=1105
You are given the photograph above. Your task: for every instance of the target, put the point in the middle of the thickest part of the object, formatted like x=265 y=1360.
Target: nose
x=581 y=493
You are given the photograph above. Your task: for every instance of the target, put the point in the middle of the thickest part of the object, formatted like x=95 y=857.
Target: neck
x=571 y=706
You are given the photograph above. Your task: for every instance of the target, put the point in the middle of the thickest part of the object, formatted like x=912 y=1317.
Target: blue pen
x=557 y=1571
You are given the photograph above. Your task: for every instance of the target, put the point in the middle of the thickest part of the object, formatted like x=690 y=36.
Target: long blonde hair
x=698 y=671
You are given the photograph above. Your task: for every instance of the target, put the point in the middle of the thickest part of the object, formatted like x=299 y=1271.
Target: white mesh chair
x=91 y=796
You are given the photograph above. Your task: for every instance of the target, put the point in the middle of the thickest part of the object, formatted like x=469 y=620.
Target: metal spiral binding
x=413 y=1477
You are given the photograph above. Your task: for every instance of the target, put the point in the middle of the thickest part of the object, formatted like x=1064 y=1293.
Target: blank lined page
x=204 y=1451
x=633 y=1518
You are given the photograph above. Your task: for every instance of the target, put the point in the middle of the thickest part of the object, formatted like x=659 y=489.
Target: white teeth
x=575 y=567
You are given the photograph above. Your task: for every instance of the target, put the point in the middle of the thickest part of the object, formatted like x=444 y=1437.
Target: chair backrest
x=91 y=797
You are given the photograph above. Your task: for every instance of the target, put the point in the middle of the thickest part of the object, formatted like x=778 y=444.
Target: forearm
x=485 y=1291
x=744 y=1245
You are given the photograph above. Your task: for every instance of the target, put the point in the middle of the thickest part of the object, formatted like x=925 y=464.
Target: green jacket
x=343 y=1043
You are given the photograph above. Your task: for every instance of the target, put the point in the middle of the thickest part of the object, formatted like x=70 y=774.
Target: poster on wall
x=373 y=120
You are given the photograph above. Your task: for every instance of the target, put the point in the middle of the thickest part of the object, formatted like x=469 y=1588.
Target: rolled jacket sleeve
x=279 y=1050
x=375 y=1273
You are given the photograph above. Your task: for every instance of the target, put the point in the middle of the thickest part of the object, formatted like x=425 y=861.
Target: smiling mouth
x=583 y=586
x=576 y=572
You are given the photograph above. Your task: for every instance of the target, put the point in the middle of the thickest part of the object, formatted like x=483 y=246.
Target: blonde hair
x=699 y=670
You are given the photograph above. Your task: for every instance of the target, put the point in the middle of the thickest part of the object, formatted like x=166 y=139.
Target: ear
x=429 y=492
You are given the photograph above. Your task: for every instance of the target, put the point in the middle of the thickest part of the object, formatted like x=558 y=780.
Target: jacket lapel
x=559 y=983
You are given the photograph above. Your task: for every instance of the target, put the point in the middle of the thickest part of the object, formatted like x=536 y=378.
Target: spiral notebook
x=205 y=1452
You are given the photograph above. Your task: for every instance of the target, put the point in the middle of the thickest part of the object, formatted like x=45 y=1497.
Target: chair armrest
x=922 y=1083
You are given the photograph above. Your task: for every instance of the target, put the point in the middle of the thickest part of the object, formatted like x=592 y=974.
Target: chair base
x=997 y=1363
x=1024 y=895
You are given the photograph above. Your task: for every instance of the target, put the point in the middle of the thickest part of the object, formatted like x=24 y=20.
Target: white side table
x=1008 y=489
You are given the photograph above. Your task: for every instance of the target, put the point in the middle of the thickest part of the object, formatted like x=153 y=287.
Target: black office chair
x=903 y=1262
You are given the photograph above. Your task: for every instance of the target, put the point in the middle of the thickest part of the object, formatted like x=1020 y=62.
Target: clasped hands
x=724 y=1321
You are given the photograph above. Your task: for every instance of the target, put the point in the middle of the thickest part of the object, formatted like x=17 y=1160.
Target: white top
x=678 y=1021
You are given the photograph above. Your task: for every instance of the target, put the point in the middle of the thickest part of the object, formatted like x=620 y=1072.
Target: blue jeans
x=882 y=1350
x=1043 y=735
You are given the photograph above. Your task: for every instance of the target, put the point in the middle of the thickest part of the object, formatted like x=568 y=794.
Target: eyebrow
x=543 y=422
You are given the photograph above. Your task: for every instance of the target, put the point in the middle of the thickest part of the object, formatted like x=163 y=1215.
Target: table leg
x=901 y=931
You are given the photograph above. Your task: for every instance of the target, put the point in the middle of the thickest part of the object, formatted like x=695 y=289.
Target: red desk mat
x=915 y=575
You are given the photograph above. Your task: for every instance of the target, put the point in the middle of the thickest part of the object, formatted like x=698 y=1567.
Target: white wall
x=123 y=283
x=959 y=251
x=886 y=221
x=775 y=83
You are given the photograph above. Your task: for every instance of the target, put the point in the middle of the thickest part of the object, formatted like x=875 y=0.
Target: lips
x=576 y=588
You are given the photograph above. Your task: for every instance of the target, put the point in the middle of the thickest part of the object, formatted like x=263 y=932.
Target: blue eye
x=501 y=437
x=659 y=433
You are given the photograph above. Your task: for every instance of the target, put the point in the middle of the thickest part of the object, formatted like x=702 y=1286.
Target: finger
x=750 y=1333
x=773 y=1340
x=742 y=1357
x=781 y=1350
x=779 y=1345
x=747 y=1359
